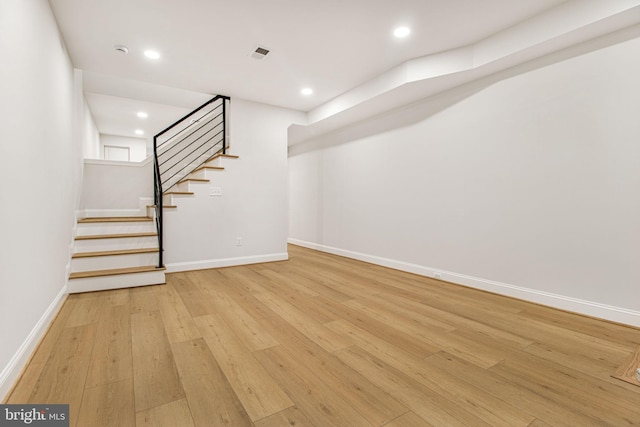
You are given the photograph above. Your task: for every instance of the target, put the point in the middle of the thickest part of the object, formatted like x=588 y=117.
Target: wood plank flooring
x=325 y=341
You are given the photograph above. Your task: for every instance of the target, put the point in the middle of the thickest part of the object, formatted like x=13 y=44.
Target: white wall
x=528 y=187
x=137 y=146
x=91 y=137
x=202 y=231
x=41 y=173
x=84 y=123
x=112 y=186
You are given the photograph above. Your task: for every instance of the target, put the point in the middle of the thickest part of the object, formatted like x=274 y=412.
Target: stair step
x=114 y=272
x=193 y=180
x=93 y=228
x=178 y=193
x=116 y=252
x=116 y=236
x=91 y=220
x=227 y=156
x=163 y=206
x=216 y=168
x=105 y=258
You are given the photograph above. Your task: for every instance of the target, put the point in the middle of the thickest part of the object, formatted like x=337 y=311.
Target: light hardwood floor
x=326 y=341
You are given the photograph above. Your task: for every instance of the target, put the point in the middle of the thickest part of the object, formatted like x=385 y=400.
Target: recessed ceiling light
x=151 y=54
x=142 y=114
x=306 y=91
x=401 y=32
x=139 y=132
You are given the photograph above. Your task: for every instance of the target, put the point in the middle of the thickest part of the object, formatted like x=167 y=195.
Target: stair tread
x=115 y=271
x=98 y=219
x=116 y=236
x=218 y=168
x=115 y=252
x=229 y=156
x=179 y=192
x=163 y=206
x=193 y=180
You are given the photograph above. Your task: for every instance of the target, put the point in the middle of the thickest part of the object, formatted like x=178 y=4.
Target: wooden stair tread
x=116 y=236
x=228 y=156
x=193 y=180
x=163 y=206
x=97 y=219
x=217 y=168
x=116 y=252
x=189 y=193
x=114 y=271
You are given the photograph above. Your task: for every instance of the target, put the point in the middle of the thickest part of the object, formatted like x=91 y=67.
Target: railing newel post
x=224 y=126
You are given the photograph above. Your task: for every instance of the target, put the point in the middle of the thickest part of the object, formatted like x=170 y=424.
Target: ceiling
x=331 y=46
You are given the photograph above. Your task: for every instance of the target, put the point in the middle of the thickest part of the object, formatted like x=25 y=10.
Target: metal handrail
x=160 y=185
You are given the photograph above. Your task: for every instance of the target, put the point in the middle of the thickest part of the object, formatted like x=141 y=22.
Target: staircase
x=122 y=252
x=114 y=252
x=200 y=175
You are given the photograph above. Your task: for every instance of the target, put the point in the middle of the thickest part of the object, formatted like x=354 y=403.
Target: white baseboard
x=18 y=362
x=588 y=308
x=224 y=262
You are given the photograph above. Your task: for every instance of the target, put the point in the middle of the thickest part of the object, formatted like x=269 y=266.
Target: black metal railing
x=183 y=147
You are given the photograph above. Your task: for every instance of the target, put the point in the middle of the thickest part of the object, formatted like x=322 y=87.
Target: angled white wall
x=202 y=232
x=41 y=151
x=527 y=187
x=90 y=135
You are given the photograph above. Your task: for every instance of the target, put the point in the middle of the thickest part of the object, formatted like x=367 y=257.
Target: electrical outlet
x=437 y=275
x=215 y=191
x=238 y=241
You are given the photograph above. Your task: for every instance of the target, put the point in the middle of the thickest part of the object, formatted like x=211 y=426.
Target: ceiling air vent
x=259 y=53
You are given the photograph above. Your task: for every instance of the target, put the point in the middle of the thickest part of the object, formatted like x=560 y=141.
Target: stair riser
x=172 y=181
x=198 y=175
x=183 y=186
x=192 y=163
x=213 y=174
x=88 y=229
x=113 y=261
x=96 y=245
x=215 y=162
x=116 y=282
x=174 y=199
x=191 y=186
